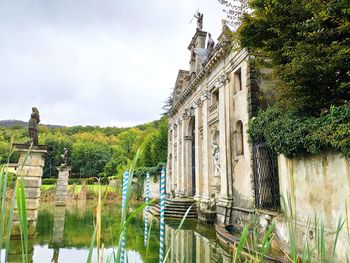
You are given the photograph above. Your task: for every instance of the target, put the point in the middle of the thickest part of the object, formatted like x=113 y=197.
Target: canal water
x=64 y=235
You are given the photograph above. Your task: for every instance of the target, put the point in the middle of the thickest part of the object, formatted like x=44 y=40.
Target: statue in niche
x=210 y=44
x=33 y=126
x=64 y=157
x=216 y=158
x=199 y=17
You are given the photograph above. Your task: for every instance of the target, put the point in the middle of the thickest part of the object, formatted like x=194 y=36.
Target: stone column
x=224 y=199
x=173 y=164
x=184 y=160
x=30 y=167
x=198 y=150
x=206 y=184
x=178 y=160
x=61 y=188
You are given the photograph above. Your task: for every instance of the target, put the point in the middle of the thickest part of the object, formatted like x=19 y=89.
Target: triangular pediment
x=181 y=83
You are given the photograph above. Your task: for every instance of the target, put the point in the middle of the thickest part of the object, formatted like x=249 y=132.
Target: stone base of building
x=207 y=216
x=241 y=216
x=206 y=210
x=224 y=210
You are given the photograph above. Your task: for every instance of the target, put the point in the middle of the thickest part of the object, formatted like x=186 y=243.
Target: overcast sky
x=95 y=62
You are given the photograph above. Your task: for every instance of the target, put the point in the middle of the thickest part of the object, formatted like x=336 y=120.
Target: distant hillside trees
x=94 y=151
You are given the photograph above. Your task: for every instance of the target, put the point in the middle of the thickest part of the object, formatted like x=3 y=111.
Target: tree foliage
x=287 y=133
x=307 y=44
x=93 y=151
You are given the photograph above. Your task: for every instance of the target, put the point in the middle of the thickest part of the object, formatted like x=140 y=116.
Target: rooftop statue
x=33 y=126
x=210 y=44
x=199 y=17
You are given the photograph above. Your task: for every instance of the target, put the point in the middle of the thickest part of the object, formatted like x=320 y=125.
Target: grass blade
x=241 y=243
x=92 y=243
x=9 y=226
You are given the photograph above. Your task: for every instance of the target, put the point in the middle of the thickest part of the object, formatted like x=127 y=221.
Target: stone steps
x=175 y=208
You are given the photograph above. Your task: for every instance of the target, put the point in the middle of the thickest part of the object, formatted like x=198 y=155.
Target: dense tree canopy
x=94 y=151
x=307 y=44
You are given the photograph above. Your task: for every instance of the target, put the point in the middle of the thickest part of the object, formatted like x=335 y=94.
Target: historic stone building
x=209 y=157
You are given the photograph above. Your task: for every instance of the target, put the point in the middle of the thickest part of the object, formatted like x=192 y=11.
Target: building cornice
x=218 y=54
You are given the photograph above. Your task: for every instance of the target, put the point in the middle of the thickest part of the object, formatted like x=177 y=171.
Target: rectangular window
x=238 y=80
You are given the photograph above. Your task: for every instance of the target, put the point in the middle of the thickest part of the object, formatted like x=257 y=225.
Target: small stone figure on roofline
x=199 y=17
x=33 y=126
x=210 y=44
x=64 y=157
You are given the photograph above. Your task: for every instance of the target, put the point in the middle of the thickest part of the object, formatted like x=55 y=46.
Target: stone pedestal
x=30 y=167
x=61 y=188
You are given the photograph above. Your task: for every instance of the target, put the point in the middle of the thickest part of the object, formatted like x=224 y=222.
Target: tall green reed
x=19 y=199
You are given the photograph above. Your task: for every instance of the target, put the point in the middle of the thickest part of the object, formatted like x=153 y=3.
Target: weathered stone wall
x=317 y=184
x=154 y=188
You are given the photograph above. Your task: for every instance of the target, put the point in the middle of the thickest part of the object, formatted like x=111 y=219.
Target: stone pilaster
x=30 y=167
x=173 y=163
x=178 y=160
x=184 y=160
x=198 y=151
x=62 y=182
x=225 y=198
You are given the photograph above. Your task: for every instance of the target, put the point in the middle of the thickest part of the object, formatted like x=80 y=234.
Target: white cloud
x=94 y=62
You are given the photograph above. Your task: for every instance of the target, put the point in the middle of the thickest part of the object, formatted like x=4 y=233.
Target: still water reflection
x=64 y=235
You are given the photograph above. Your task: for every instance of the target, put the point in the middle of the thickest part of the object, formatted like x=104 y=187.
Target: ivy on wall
x=290 y=134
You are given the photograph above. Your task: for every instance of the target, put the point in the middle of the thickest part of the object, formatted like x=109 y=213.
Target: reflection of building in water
x=57 y=231
x=15 y=251
x=193 y=246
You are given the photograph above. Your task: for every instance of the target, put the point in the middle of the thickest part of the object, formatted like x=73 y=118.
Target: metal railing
x=266 y=184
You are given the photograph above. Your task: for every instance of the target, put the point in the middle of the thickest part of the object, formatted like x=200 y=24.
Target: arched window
x=239 y=138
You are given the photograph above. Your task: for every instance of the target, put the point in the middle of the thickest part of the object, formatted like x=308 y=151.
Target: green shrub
x=290 y=134
x=74 y=181
x=48 y=181
x=104 y=181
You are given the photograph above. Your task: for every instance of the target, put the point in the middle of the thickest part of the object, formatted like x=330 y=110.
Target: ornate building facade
x=209 y=157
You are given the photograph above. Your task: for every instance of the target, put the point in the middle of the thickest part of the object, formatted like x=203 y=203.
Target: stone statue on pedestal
x=33 y=126
x=216 y=158
x=64 y=157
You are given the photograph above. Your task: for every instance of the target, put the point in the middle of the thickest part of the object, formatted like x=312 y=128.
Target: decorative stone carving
x=213 y=129
x=188 y=138
x=175 y=130
x=221 y=81
x=199 y=103
x=206 y=95
x=216 y=158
